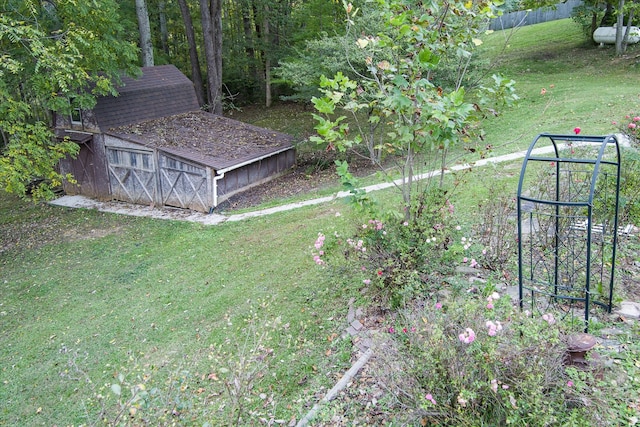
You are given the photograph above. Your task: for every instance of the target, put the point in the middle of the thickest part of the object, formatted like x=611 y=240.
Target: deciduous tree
x=54 y=56
x=211 y=16
x=196 y=73
x=408 y=86
x=146 y=46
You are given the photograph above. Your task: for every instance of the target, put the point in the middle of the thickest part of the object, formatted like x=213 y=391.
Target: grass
x=586 y=86
x=162 y=289
x=87 y=295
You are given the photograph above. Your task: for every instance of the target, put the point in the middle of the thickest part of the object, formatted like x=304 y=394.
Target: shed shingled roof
x=159 y=92
x=213 y=140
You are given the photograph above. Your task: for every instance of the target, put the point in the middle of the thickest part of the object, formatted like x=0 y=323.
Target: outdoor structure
x=152 y=145
x=567 y=224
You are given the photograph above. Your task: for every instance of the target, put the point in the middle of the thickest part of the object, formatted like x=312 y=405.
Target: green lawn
x=586 y=86
x=87 y=296
x=108 y=289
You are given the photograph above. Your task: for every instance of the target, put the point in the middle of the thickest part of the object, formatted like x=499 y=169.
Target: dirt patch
x=312 y=172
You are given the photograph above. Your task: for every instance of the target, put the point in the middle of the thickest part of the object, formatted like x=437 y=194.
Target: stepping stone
x=351 y=314
x=629 y=309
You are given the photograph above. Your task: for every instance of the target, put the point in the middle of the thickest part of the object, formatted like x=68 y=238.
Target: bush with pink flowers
x=630 y=126
x=464 y=363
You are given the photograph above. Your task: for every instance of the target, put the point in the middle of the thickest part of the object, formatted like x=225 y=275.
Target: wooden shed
x=152 y=145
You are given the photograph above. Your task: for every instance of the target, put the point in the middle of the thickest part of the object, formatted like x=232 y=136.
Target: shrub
x=400 y=259
x=475 y=359
x=222 y=384
x=497 y=230
x=629 y=126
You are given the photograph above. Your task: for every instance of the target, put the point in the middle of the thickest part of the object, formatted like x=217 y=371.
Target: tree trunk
x=267 y=59
x=211 y=14
x=164 y=32
x=249 y=47
x=146 y=47
x=619 y=25
x=196 y=74
x=594 y=24
x=608 y=19
x=625 y=39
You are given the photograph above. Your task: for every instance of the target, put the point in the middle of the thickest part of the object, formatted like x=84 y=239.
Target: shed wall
x=89 y=171
x=255 y=173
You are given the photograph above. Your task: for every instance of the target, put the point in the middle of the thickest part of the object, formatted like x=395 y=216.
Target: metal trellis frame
x=567 y=206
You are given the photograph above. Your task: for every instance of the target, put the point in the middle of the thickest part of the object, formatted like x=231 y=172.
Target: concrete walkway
x=214 y=218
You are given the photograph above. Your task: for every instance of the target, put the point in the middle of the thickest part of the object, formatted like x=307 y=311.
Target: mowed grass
x=584 y=85
x=87 y=295
x=161 y=291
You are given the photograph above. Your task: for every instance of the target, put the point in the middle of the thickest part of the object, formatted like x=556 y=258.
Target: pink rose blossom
x=468 y=336
x=548 y=317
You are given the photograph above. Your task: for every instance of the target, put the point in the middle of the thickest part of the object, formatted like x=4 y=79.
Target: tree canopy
x=54 y=56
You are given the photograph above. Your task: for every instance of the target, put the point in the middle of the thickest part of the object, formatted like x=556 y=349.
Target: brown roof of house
x=213 y=140
x=159 y=92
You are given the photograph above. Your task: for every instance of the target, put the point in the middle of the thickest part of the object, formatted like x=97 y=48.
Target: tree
x=629 y=9
x=55 y=56
x=196 y=74
x=146 y=47
x=619 y=14
x=405 y=87
x=211 y=16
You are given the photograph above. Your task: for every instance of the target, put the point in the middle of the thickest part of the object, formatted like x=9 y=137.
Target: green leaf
x=400 y=81
x=323 y=105
x=425 y=56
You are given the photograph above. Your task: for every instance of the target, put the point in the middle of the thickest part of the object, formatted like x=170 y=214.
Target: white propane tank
x=607 y=35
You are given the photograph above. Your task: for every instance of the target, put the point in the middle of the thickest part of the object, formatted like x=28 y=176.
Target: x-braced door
x=132 y=175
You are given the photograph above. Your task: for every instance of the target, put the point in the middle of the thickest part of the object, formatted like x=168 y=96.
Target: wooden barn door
x=183 y=184
x=83 y=170
x=132 y=175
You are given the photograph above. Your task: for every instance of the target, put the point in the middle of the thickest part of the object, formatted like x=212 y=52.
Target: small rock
x=629 y=309
x=352 y=331
x=356 y=324
x=351 y=315
x=610 y=331
x=513 y=292
x=467 y=270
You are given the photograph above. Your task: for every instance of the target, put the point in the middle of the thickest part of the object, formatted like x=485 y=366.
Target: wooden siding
x=184 y=184
x=254 y=174
x=88 y=168
x=132 y=175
